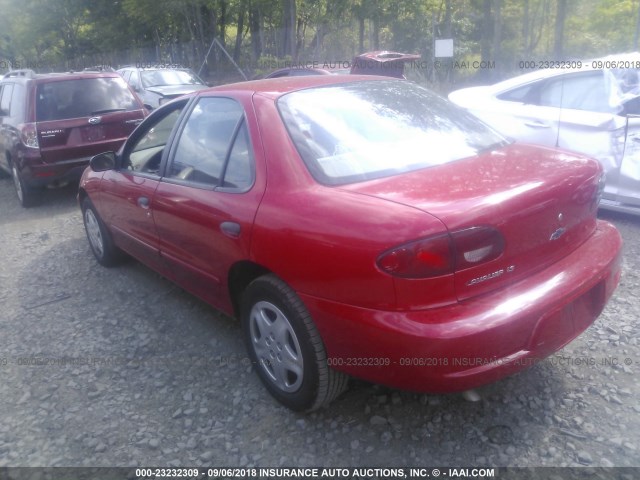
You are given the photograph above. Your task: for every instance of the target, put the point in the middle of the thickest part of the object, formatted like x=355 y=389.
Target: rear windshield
x=363 y=130
x=83 y=98
x=158 y=78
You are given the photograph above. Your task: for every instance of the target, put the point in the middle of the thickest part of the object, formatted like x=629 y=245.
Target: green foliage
x=60 y=34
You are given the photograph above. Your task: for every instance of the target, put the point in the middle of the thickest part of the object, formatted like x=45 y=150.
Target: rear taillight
x=477 y=245
x=442 y=254
x=29 y=135
x=430 y=257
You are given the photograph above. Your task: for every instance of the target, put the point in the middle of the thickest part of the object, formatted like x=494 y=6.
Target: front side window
x=213 y=149
x=364 y=130
x=145 y=154
x=59 y=100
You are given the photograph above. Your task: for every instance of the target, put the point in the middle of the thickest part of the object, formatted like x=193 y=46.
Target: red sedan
x=359 y=225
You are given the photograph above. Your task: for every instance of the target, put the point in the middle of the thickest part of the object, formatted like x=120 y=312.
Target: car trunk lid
x=542 y=201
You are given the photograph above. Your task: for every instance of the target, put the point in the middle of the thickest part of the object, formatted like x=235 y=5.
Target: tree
x=70 y=33
x=561 y=14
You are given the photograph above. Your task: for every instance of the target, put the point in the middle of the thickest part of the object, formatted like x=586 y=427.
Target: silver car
x=158 y=85
x=592 y=107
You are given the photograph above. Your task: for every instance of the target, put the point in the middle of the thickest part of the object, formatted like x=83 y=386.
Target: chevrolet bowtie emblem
x=557 y=234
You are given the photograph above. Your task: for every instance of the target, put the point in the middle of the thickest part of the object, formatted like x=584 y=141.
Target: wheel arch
x=9 y=159
x=82 y=194
x=241 y=274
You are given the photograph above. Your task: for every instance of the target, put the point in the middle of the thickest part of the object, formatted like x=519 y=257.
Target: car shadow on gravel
x=164 y=376
x=617 y=217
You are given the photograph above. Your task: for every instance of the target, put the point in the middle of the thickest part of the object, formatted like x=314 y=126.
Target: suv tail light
x=29 y=135
x=443 y=254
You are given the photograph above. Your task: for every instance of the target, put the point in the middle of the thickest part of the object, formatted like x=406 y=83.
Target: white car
x=592 y=108
x=156 y=85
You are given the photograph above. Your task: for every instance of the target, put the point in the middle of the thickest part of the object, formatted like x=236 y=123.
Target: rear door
x=577 y=112
x=206 y=203
x=592 y=123
x=519 y=114
x=570 y=111
x=81 y=117
x=587 y=119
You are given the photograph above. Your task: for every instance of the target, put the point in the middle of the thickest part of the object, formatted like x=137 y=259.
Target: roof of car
x=152 y=67
x=311 y=70
x=31 y=75
x=275 y=87
x=387 y=56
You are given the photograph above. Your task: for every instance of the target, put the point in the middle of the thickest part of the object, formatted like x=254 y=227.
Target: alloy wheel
x=94 y=232
x=17 y=183
x=276 y=346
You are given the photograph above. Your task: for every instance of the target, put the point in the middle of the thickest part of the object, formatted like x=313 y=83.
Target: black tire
x=27 y=196
x=100 y=241
x=290 y=360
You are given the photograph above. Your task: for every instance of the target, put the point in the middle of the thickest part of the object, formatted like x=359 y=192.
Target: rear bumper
x=482 y=339
x=41 y=174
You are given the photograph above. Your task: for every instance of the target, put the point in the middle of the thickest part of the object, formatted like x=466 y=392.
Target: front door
x=127 y=201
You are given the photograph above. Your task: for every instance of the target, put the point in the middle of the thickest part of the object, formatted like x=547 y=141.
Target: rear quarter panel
x=324 y=241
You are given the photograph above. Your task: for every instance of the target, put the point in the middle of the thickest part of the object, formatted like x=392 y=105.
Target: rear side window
x=520 y=94
x=18 y=101
x=85 y=97
x=364 y=130
x=582 y=91
x=214 y=148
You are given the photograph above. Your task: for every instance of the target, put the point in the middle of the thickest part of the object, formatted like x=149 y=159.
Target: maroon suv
x=51 y=124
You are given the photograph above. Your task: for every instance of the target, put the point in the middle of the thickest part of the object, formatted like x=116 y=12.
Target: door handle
x=143 y=202
x=230 y=229
x=536 y=124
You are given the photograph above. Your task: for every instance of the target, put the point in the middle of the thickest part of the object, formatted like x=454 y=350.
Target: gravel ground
x=136 y=372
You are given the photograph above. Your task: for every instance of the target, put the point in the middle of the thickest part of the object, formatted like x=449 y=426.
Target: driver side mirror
x=103 y=162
